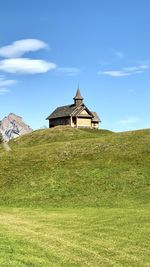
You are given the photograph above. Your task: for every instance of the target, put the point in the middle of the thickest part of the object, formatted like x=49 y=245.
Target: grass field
x=74 y=237
x=71 y=197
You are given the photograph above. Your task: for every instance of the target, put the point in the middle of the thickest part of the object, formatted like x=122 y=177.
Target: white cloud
x=4 y=83
x=114 y=73
x=118 y=54
x=69 y=71
x=19 y=48
x=128 y=71
x=129 y=120
x=144 y=67
x=3 y=91
x=26 y=66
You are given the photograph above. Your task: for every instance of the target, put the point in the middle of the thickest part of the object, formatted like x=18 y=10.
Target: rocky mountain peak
x=13 y=126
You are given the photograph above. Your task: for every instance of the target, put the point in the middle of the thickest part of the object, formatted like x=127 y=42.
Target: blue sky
x=48 y=47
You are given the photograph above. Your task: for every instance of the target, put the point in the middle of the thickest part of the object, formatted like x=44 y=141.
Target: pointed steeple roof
x=78 y=95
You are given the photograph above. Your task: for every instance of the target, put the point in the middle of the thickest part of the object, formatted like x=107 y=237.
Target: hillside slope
x=74 y=167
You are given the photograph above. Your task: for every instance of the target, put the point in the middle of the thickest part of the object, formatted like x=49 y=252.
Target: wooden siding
x=95 y=125
x=84 y=122
x=59 y=121
x=84 y=112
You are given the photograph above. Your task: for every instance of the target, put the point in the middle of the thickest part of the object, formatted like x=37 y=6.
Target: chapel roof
x=69 y=110
x=96 y=117
x=63 y=111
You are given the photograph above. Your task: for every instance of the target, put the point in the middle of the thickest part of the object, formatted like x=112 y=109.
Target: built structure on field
x=76 y=115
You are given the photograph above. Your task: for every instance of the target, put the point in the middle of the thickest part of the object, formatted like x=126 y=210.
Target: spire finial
x=78 y=99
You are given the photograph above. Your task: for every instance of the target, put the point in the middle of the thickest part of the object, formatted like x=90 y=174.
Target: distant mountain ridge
x=13 y=126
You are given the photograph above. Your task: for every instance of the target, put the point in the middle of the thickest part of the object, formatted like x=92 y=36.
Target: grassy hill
x=74 y=167
x=75 y=197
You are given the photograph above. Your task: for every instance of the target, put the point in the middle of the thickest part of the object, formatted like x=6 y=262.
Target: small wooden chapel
x=76 y=115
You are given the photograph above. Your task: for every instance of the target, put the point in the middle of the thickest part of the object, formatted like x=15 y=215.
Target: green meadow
x=75 y=197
